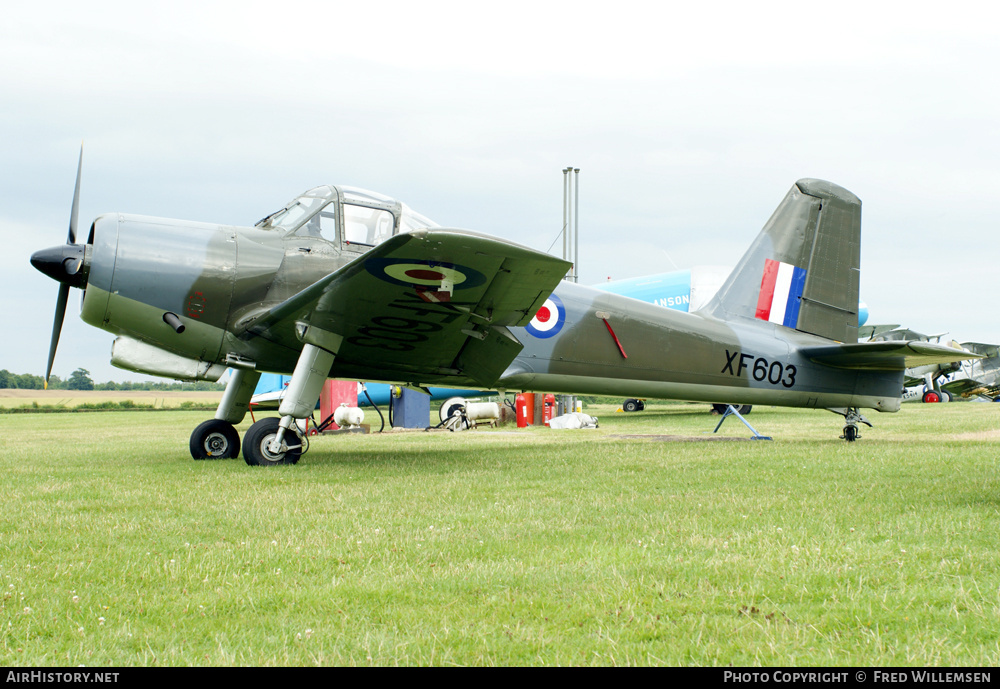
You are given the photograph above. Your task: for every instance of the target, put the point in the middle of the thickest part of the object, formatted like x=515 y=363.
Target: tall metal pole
x=576 y=227
x=565 y=225
x=571 y=245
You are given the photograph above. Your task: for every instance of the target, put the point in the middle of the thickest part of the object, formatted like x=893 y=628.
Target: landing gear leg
x=271 y=441
x=217 y=438
x=236 y=400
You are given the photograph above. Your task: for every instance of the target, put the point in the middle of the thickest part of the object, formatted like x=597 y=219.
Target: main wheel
x=945 y=396
x=630 y=405
x=215 y=439
x=257 y=439
x=744 y=409
x=931 y=397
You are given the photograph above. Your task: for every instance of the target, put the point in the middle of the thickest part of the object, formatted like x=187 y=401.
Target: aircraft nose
x=63 y=263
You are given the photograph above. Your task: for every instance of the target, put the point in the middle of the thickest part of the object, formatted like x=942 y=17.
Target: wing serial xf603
x=346 y=283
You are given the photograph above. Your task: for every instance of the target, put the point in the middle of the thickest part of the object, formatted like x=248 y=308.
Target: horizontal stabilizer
x=885 y=356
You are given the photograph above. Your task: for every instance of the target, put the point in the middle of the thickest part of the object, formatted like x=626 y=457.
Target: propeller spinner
x=66 y=265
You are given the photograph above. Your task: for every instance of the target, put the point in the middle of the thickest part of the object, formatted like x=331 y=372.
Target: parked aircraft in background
x=946 y=381
x=349 y=284
x=977 y=377
x=683 y=290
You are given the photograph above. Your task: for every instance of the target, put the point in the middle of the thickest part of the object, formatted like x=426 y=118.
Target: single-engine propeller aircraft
x=345 y=283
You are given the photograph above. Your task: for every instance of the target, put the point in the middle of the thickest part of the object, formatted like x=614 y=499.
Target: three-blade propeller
x=63 y=264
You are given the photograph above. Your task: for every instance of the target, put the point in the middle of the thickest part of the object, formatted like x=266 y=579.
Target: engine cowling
x=143 y=269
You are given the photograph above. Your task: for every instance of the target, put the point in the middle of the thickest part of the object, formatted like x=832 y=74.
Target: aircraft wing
x=430 y=306
x=893 y=355
x=987 y=350
x=963 y=387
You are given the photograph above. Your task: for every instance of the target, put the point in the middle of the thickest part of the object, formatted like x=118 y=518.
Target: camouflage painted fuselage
x=217 y=277
x=687 y=356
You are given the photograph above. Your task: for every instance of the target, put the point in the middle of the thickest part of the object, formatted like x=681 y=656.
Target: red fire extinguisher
x=521 y=409
x=548 y=408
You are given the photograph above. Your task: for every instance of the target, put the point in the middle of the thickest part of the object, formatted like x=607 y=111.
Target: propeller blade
x=63 y=264
x=76 y=202
x=57 y=324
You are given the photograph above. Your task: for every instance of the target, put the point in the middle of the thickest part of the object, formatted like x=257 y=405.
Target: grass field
x=507 y=547
x=70 y=399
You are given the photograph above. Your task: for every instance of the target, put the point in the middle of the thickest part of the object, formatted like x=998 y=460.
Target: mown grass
x=123 y=405
x=31 y=401
x=507 y=547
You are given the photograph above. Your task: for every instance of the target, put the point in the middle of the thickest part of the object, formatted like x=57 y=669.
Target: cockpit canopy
x=345 y=215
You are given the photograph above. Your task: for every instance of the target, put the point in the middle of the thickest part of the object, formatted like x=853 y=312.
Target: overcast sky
x=689 y=122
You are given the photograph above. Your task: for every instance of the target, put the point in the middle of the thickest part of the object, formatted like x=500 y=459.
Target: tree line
x=80 y=380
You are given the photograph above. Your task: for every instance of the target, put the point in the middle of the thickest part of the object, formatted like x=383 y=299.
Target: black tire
x=630 y=405
x=931 y=397
x=945 y=396
x=255 y=452
x=742 y=408
x=850 y=433
x=642 y=405
x=215 y=439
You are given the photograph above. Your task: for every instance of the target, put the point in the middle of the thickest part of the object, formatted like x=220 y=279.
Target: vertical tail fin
x=803 y=270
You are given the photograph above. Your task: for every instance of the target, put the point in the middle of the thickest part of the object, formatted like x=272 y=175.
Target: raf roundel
x=418 y=273
x=549 y=319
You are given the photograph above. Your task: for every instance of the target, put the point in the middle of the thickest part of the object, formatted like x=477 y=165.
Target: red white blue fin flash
x=781 y=289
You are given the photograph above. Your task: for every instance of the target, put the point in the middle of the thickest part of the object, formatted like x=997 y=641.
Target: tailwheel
x=215 y=439
x=257 y=441
x=853 y=417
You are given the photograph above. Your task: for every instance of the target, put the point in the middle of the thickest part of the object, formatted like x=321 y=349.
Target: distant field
x=73 y=398
x=632 y=544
